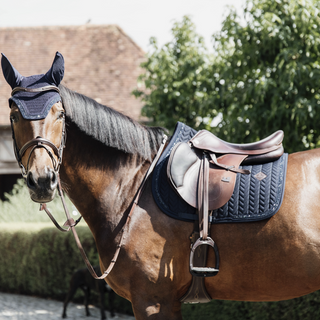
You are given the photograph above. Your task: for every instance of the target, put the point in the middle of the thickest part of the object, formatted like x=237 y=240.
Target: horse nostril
x=30 y=181
x=54 y=180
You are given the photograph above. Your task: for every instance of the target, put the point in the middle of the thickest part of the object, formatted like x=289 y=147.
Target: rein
x=71 y=223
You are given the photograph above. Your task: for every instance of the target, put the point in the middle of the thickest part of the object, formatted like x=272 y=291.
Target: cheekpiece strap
x=46 y=88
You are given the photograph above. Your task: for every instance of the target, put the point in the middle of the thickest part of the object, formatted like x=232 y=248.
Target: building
x=101 y=62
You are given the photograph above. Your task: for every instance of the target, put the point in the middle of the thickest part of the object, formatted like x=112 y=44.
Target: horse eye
x=61 y=115
x=14 y=117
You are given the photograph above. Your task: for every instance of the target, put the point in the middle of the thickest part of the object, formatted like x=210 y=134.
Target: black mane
x=109 y=126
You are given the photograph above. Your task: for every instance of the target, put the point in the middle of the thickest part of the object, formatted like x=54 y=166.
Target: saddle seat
x=266 y=150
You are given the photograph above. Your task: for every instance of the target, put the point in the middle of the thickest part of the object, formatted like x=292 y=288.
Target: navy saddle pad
x=253 y=199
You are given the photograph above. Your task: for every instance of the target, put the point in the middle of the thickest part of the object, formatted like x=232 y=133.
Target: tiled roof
x=101 y=61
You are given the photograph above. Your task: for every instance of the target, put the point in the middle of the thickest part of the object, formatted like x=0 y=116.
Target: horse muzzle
x=42 y=182
x=42 y=187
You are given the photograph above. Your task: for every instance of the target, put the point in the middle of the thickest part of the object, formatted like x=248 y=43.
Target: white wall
x=8 y=162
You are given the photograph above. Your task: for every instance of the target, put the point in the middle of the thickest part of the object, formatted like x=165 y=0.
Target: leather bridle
x=39 y=142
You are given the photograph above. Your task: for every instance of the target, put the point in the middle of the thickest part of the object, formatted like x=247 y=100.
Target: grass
x=18 y=209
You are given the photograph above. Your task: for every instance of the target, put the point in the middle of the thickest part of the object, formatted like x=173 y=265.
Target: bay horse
x=105 y=159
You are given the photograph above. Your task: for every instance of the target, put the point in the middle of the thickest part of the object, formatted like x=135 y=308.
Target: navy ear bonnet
x=34 y=105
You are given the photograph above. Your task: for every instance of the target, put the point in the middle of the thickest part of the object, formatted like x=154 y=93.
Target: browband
x=46 y=88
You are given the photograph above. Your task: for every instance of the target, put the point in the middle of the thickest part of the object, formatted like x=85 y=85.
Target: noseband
x=39 y=142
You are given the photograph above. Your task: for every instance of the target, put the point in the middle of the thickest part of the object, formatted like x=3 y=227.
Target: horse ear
x=12 y=76
x=56 y=72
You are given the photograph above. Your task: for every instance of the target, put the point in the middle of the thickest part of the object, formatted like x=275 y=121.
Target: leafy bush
x=39 y=263
x=306 y=308
x=42 y=263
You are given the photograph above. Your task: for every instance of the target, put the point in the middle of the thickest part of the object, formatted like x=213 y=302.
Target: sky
x=140 y=19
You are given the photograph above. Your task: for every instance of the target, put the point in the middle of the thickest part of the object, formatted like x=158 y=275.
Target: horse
x=105 y=159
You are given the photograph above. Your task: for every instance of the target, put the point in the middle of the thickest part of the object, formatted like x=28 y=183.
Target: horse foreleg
x=144 y=308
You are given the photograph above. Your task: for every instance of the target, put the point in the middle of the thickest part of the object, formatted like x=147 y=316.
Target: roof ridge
x=71 y=26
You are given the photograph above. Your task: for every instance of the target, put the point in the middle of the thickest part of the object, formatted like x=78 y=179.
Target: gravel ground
x=17 y=307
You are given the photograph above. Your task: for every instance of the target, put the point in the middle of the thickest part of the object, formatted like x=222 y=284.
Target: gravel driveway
x=16 y=307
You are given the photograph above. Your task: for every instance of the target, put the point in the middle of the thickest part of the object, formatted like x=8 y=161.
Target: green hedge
x=41 y=263
x=306 y=308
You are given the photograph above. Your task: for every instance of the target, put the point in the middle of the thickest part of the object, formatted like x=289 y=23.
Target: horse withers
x=105 y=159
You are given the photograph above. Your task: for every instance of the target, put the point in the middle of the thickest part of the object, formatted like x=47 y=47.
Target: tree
x=176 y=79
x=263 y=76
x=269 y=75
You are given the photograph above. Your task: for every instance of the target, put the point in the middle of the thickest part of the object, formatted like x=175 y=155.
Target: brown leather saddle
x=203 y=172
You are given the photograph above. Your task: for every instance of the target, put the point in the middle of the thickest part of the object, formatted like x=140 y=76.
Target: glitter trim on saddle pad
x=256 y=196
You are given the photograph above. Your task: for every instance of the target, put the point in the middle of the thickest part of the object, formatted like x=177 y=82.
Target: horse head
x=38 y=126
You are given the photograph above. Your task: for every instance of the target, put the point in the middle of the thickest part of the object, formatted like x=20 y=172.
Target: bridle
x=40 y=142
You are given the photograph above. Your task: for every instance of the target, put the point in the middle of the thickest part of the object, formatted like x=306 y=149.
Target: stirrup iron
x=204 y=271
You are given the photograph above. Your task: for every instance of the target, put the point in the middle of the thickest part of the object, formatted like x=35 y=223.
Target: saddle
x=203 y=172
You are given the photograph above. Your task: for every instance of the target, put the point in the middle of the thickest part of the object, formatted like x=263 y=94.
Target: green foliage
x=42 y=263
x=269 y=71
x=38 y=263
x=176 y=79
x=306 y=307
x=263 y=76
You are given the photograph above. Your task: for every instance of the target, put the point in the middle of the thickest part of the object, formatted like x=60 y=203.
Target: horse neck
x=99 y=180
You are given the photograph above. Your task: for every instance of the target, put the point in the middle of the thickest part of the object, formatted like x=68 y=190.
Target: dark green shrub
x=41 y=263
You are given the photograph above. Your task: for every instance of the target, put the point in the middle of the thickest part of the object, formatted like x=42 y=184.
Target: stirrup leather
x=204 y=226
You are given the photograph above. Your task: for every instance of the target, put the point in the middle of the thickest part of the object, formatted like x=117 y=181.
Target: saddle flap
x=183 y=173
x=221 y=181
